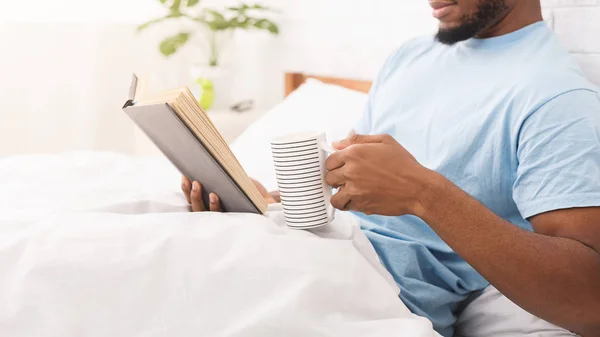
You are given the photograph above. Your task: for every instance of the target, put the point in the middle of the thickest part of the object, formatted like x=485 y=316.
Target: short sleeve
x=559 y=155
x=363 y=125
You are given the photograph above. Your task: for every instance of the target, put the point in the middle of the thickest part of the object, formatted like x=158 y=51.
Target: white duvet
x=103 y=245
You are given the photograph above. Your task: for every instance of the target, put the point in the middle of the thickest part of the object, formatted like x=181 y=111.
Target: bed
x=294 y=80
x=103 y=244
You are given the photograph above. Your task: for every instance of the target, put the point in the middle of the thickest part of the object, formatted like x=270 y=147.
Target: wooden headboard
x=295 y=80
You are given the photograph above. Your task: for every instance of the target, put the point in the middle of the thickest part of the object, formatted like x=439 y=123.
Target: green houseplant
x=209 y=25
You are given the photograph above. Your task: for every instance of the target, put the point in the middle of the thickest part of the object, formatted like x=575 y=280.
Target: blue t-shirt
x=511 y=120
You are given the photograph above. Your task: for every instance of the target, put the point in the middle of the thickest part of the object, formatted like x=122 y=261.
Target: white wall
x=86 y=11
x=62 y=84
x=577 y=24
x=348 y=38
x=65 y=67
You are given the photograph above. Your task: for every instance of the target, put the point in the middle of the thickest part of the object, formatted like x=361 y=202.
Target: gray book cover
x=187 y=153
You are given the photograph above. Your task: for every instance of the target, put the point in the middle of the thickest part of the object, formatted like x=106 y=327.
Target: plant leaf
x=150 y=23
x=266 y=24
x=199 y=19
x=216 y=14
x=243 y=8
x=155 y=21
x=217 y=21
x=163 y=1
x=260 y=7
x=175 y=6
x=192 y=3
x=171 y=44
x=244 y=23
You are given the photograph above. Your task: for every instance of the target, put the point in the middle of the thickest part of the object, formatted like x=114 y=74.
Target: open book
x=183 y=132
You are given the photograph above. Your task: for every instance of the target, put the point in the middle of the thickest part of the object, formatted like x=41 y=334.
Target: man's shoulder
x=546 y=66
x=408 y=50
x=413 y=47
x=553 y=78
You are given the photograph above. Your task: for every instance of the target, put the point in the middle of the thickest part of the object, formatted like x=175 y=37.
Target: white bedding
x=102 y=245
x=315 y=106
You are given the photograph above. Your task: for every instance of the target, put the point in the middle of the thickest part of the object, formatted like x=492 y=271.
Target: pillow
x=489 y=313
x=314 y=106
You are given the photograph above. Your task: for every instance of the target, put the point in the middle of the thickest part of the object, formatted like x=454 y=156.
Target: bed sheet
x=99 y=244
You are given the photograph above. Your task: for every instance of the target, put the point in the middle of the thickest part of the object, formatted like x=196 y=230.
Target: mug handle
x=329 y=149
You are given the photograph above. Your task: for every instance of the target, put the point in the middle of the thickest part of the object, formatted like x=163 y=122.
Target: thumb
x=358 y=139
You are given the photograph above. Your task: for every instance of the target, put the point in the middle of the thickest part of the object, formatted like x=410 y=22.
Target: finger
x=196 y=196
x=340 y=200
x=337 y=144
x=359 y=139
x=186 y=187
x=215 y=203
x=261 y=189
x=350 y=206
x=335 y=161
x=335 y=178
x=275 y=197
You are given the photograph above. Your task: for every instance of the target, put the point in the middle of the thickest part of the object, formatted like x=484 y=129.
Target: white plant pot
x=222 y=80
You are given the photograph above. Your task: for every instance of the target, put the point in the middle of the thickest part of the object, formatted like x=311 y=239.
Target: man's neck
x=523 y=14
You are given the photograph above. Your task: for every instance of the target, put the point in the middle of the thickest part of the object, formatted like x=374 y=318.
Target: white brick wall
x=577 y=24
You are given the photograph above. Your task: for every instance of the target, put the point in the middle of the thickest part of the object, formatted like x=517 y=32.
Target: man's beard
x=488 y=11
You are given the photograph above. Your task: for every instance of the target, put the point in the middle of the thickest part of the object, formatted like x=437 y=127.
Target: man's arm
x=553 y=273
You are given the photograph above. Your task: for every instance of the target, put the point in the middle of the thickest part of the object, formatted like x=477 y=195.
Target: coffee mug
x=299 y=161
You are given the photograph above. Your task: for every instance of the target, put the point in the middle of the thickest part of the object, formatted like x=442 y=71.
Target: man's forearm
x=557 y=279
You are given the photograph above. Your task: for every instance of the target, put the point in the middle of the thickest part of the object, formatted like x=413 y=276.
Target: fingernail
x=195 y=186
x=213 y=198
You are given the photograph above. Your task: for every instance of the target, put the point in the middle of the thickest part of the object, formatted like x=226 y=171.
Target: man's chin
x=453 y=35
x=448 y=25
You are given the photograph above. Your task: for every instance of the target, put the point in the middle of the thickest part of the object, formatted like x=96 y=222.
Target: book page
x=188 y=109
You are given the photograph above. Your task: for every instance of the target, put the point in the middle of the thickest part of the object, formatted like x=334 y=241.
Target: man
x=477 y=162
